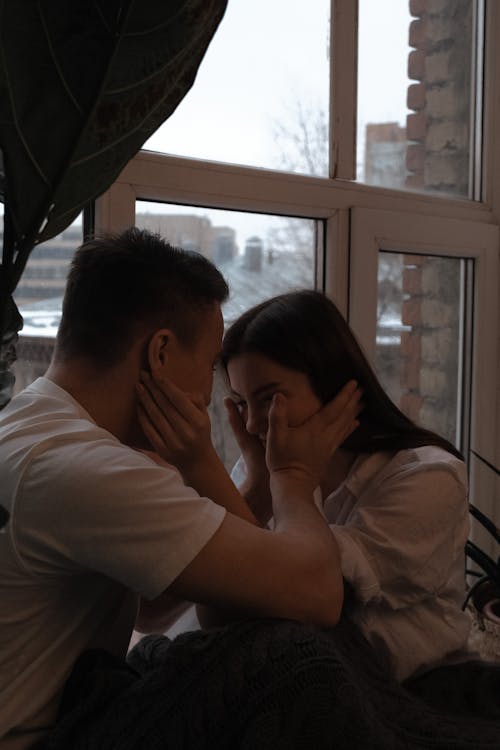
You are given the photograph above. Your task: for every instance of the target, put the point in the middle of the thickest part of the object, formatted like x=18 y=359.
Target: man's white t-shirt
x=93 y=525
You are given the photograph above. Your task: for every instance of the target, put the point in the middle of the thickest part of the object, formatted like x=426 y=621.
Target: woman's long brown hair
x=305 y=331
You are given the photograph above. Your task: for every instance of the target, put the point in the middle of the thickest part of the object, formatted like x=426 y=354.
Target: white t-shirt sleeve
x=401 y=544
x=112 y=510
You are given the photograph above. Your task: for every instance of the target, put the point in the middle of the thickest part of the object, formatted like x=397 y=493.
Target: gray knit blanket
x=261 y=685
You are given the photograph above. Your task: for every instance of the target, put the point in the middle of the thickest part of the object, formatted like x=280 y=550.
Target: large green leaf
x=83 y=83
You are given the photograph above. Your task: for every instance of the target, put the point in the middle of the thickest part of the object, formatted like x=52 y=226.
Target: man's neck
x=108 y=395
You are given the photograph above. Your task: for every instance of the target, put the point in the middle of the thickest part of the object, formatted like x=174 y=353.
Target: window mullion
x=343 y=88
x=115 y=209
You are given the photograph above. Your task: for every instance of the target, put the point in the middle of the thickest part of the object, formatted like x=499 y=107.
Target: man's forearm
x=210 y=478
x=295 y=513
x=310 y=547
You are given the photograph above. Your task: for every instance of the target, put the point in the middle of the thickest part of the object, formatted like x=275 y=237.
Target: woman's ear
x=158 y=351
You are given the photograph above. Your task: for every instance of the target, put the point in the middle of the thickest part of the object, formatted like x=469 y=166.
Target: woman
x=394 y=494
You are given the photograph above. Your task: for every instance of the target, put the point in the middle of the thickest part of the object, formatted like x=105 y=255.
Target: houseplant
x=483 y=596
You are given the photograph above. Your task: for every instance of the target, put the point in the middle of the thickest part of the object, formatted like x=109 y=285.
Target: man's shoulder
x=44 y=433
x=39 y=415
x=39 y=403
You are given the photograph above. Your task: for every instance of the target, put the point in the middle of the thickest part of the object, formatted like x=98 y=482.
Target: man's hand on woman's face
x=308 y=447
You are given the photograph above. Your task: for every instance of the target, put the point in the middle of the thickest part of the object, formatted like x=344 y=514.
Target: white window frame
x=373 y=231
x=162 y=178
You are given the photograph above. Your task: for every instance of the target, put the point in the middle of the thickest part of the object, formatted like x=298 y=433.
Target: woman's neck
x=337 y=471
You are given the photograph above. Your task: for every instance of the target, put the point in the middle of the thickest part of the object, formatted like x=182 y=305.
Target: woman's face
x=255 y=378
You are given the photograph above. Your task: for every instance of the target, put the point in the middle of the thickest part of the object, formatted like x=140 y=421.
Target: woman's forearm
x=208 y=476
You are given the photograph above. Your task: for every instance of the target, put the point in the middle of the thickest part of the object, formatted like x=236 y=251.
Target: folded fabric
x=257 y=685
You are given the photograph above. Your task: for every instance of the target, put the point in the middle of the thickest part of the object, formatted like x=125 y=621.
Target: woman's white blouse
x=401 y=523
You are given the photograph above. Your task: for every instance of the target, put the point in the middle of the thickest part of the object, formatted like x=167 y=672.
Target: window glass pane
x=39 y=299
x=416 y=95
x=420 y=325
x=261 y=93
x=259 y=255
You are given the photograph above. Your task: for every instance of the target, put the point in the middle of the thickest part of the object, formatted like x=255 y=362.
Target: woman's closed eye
x=263 y=402
x=240 y=404
x=266 y=401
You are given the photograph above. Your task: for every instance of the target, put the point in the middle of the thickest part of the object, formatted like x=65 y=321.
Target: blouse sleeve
x=407 y=533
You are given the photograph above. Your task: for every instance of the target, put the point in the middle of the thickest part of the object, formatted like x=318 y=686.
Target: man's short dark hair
x=120 y=284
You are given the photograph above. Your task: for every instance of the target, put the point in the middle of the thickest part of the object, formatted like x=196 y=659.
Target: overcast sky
x=266 y=56
x=269 y=54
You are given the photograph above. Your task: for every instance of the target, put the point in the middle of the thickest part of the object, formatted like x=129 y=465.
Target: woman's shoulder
x=425 y=460
x=427 y=479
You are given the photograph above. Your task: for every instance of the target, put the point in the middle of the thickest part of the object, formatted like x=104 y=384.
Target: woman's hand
x=251 y=448
x=176 y=424
x=307 y=448
x=256 y=485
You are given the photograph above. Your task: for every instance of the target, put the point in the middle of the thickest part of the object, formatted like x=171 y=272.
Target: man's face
x=191 y=367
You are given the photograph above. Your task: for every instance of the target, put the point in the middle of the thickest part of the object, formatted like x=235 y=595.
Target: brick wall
x=437 y=160
x=430 y=350
x=440 y=64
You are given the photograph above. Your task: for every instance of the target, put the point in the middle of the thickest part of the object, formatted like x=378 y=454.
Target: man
x=96 y=525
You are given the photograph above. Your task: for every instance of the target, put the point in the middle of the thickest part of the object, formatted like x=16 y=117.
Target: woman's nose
x=256 y=423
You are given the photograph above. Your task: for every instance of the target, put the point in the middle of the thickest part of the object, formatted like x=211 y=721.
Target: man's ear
x=158 y=351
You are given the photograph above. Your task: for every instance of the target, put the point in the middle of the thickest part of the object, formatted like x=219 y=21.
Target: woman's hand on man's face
x=176 y=424
x=255 y=488
x=251 y=447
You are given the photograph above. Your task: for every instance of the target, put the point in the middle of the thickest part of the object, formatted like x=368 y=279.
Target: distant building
x=192 y=233
x=385 y=155
x=254 y=250
x=47 y=268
